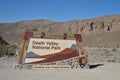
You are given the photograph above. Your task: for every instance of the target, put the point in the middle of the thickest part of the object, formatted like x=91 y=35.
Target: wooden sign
x=45 y=47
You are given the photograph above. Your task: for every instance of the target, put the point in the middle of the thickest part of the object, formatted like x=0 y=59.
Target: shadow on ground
x=95 y=66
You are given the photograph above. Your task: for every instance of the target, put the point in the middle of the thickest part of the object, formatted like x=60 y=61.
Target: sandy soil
x=99 y=70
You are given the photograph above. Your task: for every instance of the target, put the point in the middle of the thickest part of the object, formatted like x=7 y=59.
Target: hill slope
x=102 y=31
x=3 y=42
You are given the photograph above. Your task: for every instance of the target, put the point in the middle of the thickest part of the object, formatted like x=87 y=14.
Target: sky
x=56 y=10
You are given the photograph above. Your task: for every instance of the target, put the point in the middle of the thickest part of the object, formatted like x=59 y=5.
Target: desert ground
x=104 y=65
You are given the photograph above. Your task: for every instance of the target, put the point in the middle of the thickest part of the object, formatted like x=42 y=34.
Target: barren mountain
x=102 y=31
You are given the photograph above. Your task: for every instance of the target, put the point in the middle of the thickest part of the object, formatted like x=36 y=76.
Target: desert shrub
x=8 y=50
x=114 y=49
x=3 y=49
x=106 y=51
x=34 y=29
x=118 y=46
x=98 y=49
x=110 y=60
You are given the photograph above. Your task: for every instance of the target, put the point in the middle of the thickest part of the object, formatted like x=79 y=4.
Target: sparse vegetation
x=104 y=55
x=110 y=60
x=114 y=49
x=7 y=50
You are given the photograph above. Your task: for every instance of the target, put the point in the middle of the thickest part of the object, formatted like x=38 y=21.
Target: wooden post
x=79 y=43
x=26 y=36
x=82 y=60
x=64 y=36
x=22 y=52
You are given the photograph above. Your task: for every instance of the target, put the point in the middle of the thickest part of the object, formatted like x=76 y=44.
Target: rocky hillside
x=3 y=42
x=101 y=31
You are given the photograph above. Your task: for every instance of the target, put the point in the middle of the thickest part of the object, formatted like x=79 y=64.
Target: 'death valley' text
x=45 y=45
